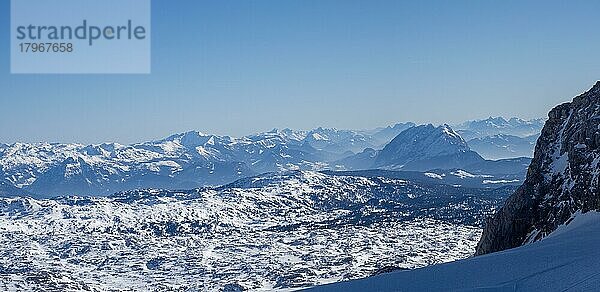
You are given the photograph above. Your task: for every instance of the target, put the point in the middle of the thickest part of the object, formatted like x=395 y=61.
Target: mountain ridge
x=193 y=159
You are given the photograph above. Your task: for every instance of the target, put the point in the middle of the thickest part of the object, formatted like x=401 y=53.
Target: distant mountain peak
x=188 y=135
x=426 y=146
x=446 y=129
x=495 y=120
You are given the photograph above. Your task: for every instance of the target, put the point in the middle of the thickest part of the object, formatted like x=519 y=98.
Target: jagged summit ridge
x=563 y=177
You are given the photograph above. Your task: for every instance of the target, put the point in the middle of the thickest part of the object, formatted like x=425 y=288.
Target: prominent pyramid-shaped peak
x=426 y=143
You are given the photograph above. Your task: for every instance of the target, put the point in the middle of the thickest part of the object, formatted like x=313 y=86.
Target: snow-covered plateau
x=271 y=232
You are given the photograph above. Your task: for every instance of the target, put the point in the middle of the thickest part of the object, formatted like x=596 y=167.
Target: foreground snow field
x=567 y=260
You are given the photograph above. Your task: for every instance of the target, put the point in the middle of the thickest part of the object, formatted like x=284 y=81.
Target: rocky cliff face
x=563 y=178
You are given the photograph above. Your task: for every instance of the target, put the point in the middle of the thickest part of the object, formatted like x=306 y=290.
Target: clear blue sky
x=237 y=67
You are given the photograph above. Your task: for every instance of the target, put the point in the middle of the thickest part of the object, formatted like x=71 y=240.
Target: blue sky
x=238 y=67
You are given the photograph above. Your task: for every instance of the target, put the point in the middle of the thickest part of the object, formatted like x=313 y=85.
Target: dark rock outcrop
x=563 y=178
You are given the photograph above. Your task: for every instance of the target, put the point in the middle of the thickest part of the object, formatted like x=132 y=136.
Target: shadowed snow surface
x=567 y=260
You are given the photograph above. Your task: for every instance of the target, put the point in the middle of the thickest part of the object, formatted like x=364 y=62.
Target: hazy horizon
x=242 y=67
x=260 y=131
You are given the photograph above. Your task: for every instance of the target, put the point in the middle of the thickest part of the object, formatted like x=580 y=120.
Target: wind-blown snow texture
x=275 y=231
x=563 y=178
x=566 y=260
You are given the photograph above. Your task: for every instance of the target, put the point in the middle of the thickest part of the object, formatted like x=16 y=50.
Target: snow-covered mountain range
x=193 y=159
x=184 y=160
x=499 y=125
x=499 y=138
x=278 y=210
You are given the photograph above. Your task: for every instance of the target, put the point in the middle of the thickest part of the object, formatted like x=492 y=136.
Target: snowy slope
x=566 y=260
